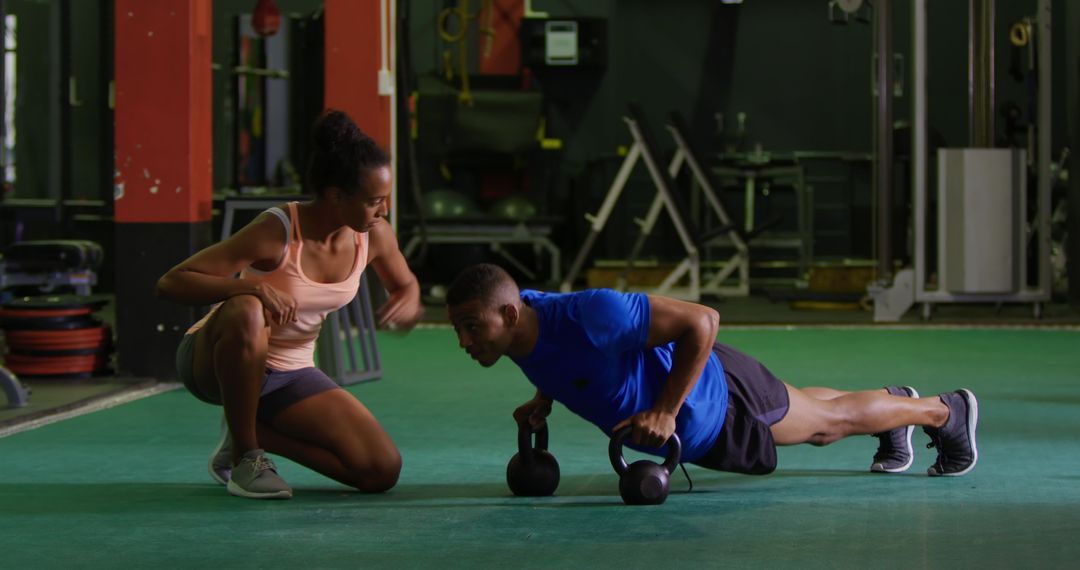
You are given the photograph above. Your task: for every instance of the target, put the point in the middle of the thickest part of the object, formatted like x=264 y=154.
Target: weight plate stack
x=55 y=336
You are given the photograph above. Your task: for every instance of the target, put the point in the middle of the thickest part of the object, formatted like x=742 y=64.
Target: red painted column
x=163 y=187
x=163 y=111
x=504 y=55
x=353 y=38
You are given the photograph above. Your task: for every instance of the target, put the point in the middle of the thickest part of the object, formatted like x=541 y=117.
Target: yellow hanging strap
x=488 y=29
x=461 y=13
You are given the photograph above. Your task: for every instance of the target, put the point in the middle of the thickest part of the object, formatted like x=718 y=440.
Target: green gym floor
x=127 y=486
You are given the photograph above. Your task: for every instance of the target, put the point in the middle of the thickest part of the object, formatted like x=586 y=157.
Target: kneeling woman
x=254 y=351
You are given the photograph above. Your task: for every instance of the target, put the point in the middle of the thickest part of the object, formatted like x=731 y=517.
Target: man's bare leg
x=895 y=453
x=822 y=393
x=950 y=419
x=821 y=422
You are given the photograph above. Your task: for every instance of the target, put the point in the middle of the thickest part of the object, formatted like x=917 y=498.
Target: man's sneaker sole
x=879 y=468
x=238 y=491
x=972 y=421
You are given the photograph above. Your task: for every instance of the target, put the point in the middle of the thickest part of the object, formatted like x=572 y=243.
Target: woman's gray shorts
x=279 y=389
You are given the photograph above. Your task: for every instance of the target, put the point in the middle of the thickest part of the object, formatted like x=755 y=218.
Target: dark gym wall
x=38 y=53
x=224 y=55
x=780 y=61
x=88 y=100
x=90 y=137
x=1072 y=66
x=38 y=139
x=33 y=96
x=803 y=82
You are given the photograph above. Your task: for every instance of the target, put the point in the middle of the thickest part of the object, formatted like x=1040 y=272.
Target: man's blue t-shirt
x=591 y=356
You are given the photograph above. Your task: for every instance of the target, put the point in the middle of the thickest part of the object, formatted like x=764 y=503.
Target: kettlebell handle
x=525 y=445
x=618 y=462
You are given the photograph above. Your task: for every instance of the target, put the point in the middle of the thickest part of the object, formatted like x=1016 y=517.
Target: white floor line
x=90 y=407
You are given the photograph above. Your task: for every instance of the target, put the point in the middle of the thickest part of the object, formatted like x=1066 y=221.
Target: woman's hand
x=280 y=306
x=401 y=312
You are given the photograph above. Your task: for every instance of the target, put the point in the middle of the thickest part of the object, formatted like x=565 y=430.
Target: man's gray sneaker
x=894 y=452
x=255 y=477
x=220 y=463
x=955 y=441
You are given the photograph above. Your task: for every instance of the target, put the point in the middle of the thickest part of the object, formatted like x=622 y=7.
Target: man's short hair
x=485 y=282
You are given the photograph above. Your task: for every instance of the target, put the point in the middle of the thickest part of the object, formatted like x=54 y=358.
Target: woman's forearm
x=407 y=289
x=194 y=288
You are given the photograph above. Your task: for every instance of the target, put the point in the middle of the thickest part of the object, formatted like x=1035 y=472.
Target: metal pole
x=58 y=116
x=66 y=134
x=1045 y=17
x=883 y=154
x=107 y=151
x=989 y=73
x=3 y=94
x=981 y=78
x=1072 y=247
x=918 y=141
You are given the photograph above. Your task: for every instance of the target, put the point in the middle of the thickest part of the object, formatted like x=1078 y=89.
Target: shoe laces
x=885 y=446
x=262 y=463
x=935 y=441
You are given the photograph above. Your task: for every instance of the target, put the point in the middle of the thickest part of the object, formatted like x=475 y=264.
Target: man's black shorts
x=756 y=401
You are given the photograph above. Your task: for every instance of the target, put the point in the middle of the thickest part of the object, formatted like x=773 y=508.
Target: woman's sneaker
x=894 y=452
x=220 y=463
x=255 y=477
x=955 y=441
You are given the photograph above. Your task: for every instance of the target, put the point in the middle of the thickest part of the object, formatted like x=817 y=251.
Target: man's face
x=482 y=330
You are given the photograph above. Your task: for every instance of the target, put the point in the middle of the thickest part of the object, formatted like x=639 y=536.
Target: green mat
x=127 y=487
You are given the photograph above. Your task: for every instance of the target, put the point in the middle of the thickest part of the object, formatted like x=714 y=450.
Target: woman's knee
x=378 y=475
x=241 y=318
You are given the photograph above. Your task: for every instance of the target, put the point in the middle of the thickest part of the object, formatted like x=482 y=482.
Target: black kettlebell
x=532 y=471
x=643 y=482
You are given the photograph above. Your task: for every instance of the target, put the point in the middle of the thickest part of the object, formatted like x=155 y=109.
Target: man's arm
x=692 y=328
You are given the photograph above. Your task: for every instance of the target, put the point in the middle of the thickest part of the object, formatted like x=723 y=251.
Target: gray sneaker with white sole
x=220 y=463
x=894 y=452
x=255 y=477
x=955 y=441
